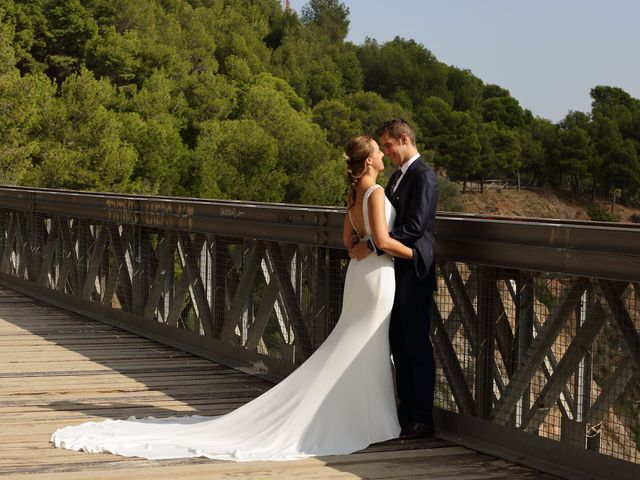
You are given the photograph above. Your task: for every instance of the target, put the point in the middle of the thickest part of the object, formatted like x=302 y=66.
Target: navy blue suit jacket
x=415 y=201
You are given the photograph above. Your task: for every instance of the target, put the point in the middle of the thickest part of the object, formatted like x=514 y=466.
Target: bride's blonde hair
x=357 y=151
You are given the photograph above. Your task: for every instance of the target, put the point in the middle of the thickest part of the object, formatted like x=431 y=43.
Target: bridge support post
x=486 y=333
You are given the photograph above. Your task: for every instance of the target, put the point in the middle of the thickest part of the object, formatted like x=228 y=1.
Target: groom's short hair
x=397 y=127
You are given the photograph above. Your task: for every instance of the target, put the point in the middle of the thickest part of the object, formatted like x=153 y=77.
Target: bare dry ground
x=538 y=203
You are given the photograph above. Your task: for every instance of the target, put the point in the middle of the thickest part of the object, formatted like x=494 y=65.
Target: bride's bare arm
x=379 y=228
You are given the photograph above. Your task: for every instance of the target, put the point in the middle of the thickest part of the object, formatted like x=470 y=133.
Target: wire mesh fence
x=563 y=355
x=553 y=354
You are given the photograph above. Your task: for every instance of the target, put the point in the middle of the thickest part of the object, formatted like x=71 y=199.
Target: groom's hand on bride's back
x=359 y=251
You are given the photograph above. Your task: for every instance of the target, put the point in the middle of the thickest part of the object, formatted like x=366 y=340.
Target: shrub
x=449 y=199
x=599 y=214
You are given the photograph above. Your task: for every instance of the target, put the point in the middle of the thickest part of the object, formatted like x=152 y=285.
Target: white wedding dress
x=339 y=401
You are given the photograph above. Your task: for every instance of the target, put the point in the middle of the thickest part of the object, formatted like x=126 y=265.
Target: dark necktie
x=393 y=180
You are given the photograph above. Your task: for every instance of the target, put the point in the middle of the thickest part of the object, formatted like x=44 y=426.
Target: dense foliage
x=240 y=99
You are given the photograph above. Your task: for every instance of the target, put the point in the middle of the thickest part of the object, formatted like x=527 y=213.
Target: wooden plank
x=452 y=462
x=59 y=369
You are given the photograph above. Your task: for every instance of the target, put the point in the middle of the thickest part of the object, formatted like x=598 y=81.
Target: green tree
x=198 y=44
x=282 y=87
x=612 y=102
x=532 y=152
x=453 y=135
x=617 y=105
x=23 y=102
x=505 y=111
x=68 y=30
x=22 y=18
x=346 y=58
x=325 y=183
x=302 y=60
x=163 y=161
x=159 y=95
x=330 y=17
x=239 y=30
x=491 y=90
x=337 y=120
x=238 y=159
x=302 y=145
x=82 y=139
x=116 y=56
x=209 y=96
x=500 y=152
x=7 y=53
x=403 y=71
x=162 y=76
x=605 y=136
x=617 y=156
x=576 y=150
x=466 y=89
x=623 y=168
x=371 y=110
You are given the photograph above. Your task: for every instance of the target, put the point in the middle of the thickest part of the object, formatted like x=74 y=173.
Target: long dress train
x=339 y=401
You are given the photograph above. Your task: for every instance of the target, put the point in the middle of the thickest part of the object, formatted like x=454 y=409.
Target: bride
x=339 y=401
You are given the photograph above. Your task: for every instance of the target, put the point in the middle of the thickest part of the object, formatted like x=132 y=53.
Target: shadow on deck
x=58 y=368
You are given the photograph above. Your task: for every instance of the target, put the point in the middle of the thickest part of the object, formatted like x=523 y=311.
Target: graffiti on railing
x=157 y=214
x=123 y=210
x=167 y=214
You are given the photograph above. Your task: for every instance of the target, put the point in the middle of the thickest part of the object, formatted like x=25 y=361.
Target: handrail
x=602 y=249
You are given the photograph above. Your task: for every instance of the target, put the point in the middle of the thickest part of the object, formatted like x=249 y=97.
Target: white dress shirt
x=405 y=166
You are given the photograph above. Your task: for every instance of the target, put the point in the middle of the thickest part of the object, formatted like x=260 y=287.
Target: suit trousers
x=411 y=347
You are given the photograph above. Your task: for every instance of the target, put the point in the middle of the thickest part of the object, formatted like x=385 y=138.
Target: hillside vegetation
x=239 y=99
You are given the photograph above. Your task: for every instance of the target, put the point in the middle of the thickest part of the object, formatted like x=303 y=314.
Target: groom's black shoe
x=414 y=430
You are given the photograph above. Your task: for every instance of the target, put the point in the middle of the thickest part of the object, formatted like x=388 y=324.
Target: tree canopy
x=242 y=99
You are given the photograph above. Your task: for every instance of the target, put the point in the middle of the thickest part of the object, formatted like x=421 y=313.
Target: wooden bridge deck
x=57 y=368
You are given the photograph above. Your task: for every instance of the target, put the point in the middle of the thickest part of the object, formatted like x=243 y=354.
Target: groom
x=412 y=190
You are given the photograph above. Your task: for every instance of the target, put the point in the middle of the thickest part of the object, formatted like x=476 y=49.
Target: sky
x=548 y=53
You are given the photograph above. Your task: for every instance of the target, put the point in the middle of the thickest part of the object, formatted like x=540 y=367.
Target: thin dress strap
x=365 y=210
x=353 y=225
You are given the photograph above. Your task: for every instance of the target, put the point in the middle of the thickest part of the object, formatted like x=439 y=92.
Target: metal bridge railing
x=535 y=325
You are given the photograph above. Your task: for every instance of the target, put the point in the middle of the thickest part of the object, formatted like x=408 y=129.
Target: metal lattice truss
x=513 y=345
x=251 y=293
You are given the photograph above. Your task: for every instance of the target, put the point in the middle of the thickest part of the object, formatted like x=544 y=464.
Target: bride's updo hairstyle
x=356 y=153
